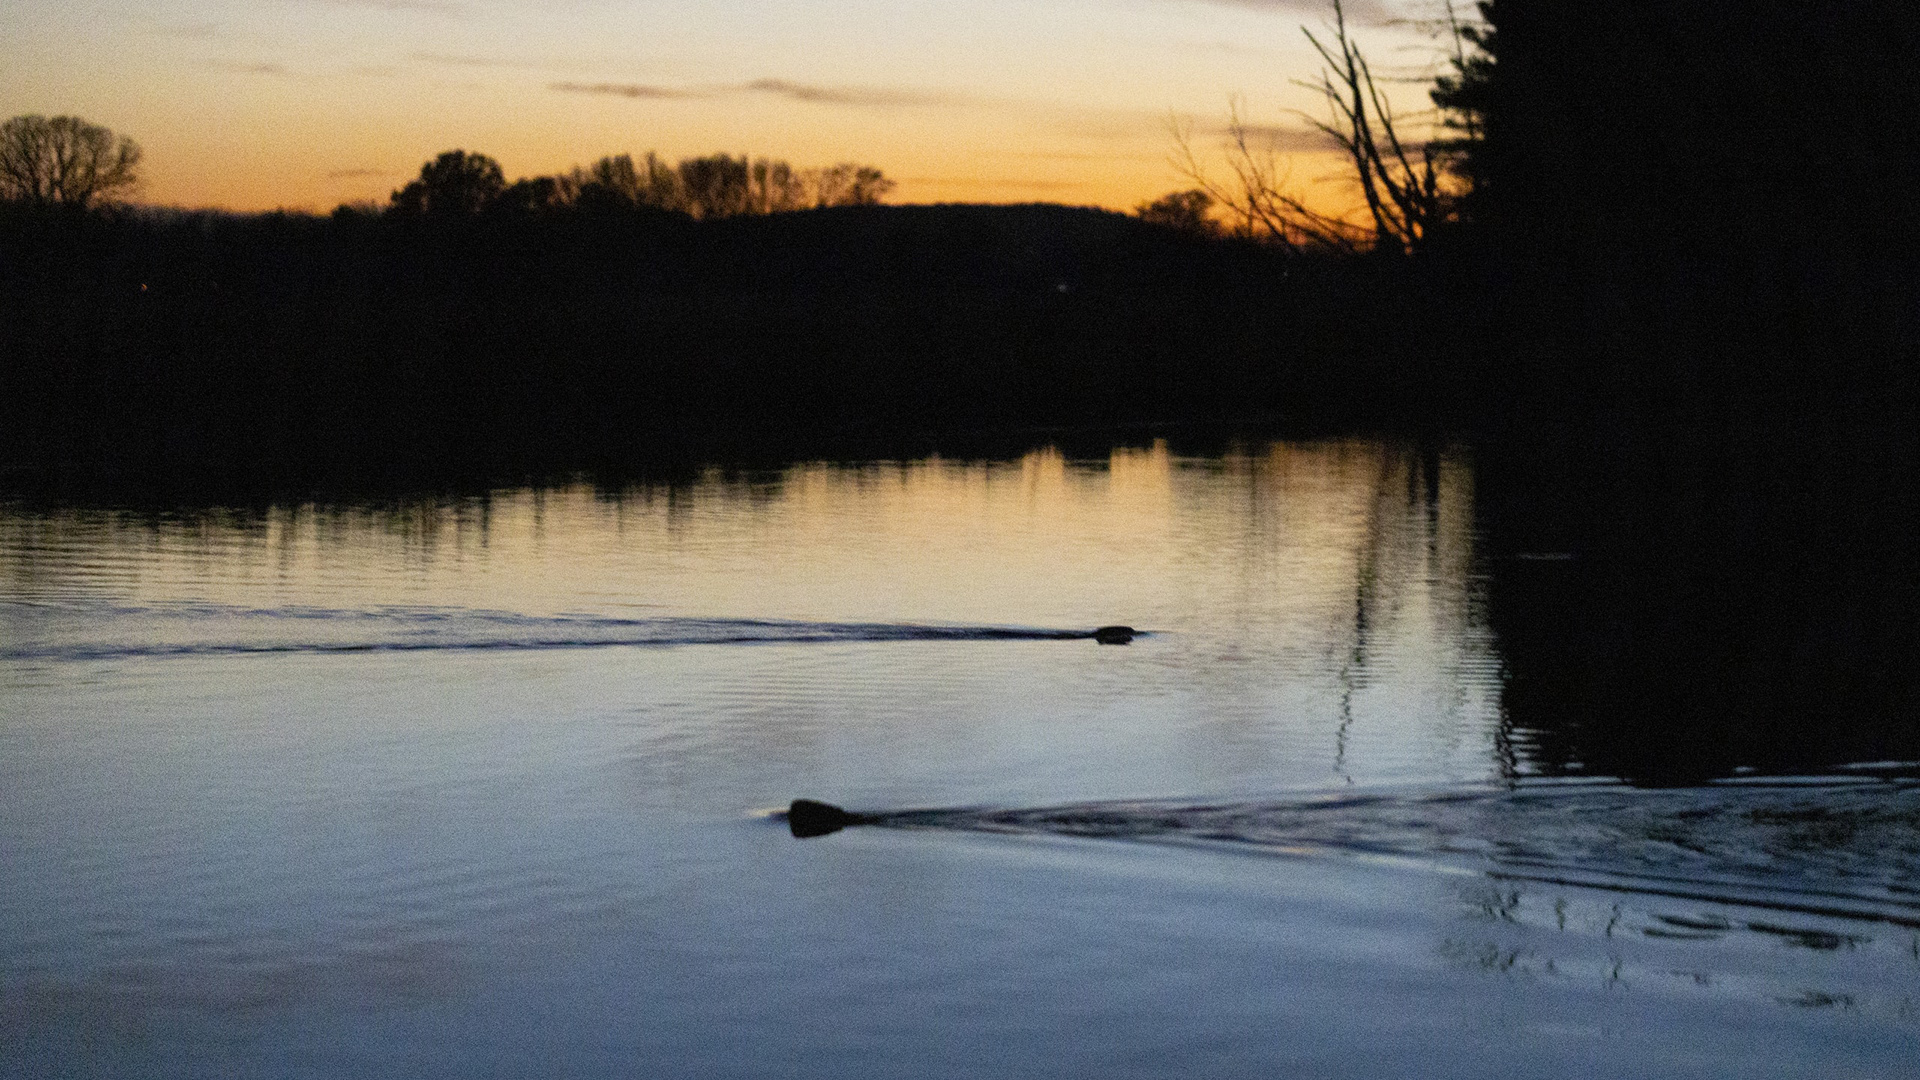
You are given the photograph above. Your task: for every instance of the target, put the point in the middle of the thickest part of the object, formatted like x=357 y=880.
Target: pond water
x=482 y=785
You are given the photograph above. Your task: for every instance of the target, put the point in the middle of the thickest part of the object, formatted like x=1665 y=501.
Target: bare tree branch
x=1407 y=185
x=64 y=161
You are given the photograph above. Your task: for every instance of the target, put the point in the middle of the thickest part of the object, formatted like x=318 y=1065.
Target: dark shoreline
x=195 y=346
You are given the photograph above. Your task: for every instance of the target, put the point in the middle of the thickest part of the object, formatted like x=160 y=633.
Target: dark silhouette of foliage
x=1696 y=228
x=1699 y=208
x=561 y=338
x=64 y=161
x=848 y=184
x=619 y=183
x=1182 y=210
x=455 y=183
x=531 y=196
x=715 y=186
x=458 y=184
x=775 y=187
x=1464 y=95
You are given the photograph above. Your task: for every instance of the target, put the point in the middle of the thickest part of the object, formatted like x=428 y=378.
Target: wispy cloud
x=357 y=174
x=859 y=96
x=1216 y=48
x=838 y=95
x=1277 y=137
x=628 y=90
x=277 y=70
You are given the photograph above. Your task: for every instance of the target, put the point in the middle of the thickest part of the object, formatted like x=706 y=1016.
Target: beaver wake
x=1840 y=848
x=51 y=631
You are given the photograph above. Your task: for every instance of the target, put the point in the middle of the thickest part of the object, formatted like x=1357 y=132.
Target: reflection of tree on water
x=1358 y=590
x=1732 y=602
x=1413 y=591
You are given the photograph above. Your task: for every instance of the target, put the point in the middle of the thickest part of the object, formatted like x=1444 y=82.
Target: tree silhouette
x=533 y=195
x=847 y=184
x=1464 y=97
x=1411 y=187
x=454 y=183
x=1400 y=179
x=458 y=183
x=620 y=183
x=716 y=186
x=774 y=186
x=1182 y=210
x=64 y=161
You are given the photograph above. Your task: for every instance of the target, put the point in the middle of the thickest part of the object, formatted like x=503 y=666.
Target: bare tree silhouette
x=715 y=186
x=1410 y=187
x=64 y=161
x=848 y=184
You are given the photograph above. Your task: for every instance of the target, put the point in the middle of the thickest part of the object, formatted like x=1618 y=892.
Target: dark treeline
x=1698 y=226
x=168 y=343
x=1704 y=206
x=716 y=186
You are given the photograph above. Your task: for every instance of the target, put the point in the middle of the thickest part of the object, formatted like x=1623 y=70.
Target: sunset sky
x=255 y=104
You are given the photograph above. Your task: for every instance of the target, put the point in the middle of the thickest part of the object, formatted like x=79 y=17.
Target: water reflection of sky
x=1321 y=593
x=457 y=786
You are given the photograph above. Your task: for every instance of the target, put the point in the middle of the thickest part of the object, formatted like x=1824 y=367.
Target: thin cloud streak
x=274 y=69
x=1286 y=140
x=628 y=90
x=830 y=95
x=861 y=97
x=357 y=174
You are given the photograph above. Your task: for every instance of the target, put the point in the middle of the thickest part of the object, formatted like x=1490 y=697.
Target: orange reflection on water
x=1325 y=588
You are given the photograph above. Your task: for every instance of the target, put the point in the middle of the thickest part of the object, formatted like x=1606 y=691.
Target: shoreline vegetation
x=1589 y=241
x=184 y=342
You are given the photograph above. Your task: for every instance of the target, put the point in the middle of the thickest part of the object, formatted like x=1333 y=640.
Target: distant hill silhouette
x=194 y=341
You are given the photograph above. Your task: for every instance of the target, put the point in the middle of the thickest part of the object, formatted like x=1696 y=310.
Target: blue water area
x=491 y=785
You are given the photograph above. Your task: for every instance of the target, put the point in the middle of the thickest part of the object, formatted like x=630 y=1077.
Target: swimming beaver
x=808 y=818
x=1114 y=635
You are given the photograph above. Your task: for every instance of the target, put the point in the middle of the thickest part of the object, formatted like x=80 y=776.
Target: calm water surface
x=459 y=787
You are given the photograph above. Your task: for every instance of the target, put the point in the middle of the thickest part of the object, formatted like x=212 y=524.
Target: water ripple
x=41 y=631
x=1830 y=847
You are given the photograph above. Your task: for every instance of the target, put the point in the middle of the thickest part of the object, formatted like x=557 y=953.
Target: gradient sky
x=255 y=104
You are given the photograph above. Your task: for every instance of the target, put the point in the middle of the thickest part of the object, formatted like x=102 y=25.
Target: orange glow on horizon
x=307 y=104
